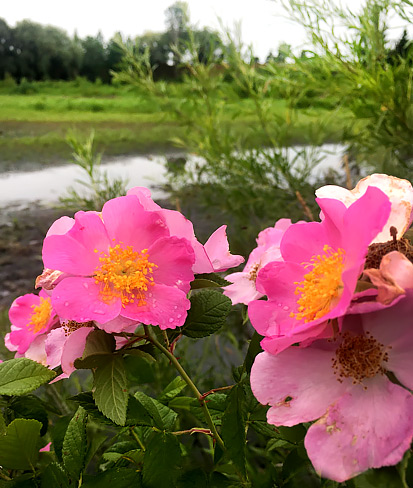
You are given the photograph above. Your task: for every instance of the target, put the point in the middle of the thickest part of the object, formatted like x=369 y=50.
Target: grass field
x=35 y=118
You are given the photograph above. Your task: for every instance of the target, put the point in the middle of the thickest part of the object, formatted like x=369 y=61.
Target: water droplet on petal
x=86 y=285
x=175 y=307
x=178 y=316
x=286 y=308
x=171 y=320
x=66 y=304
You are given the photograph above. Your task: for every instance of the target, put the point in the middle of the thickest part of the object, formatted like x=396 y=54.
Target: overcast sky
x=263 y=22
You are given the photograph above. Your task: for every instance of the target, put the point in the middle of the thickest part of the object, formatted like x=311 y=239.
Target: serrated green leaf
x=85 y=400
x=208 y=312
x=54 y=476
x=22 y=375
x=74 y=445
x=172 y=390
x=111 y=390
x=233 y=428
x=163 y=417
x=98 y=349
x=114 y=478
x=58 y=431
x=161 y=460
x=29 y=407
x=19 y=448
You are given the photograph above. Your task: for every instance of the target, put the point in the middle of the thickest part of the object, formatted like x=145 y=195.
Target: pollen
x=71 y=325
x=321 y=286
x=126 y=274
x=359 y=357
x=40 y=316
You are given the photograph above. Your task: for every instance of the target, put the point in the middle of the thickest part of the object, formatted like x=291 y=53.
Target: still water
x=48 y=184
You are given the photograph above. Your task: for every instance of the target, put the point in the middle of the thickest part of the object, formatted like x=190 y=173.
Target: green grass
x=34 y=124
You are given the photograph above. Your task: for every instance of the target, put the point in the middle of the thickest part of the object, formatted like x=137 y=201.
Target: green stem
x=191 y=385
x=137 y=439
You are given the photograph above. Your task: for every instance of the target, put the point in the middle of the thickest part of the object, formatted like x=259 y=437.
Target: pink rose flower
x=30 y=316
x=364 y=420
x=400 y=193
x=120 y=263
x=317 y=279
x=213 y=257
x=243 y=289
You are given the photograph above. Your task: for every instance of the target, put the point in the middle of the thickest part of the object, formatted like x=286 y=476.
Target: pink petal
x=392 y=327
x=178 y=226
x=61 y=226
x=217 y=249
x=73 y=348
x=166 y=306
x=118 y=324
x=242 y=290
x=298 y=384
x=173 y=258
x=46 y=448
x=36 y=351
x=127 y=222
x=79 y=299
x=144 y=197
x=364 y=429
x=400 y=193
x=54 y=344
x=74 y=252
x=393 y=278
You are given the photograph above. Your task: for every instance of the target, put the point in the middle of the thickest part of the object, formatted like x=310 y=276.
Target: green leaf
x=138 y=369
x=74 y=445
x=29 y=407
x=162 y=457
x=98 y=349
x=172 y=390
x=58 y=431
x=111 y=389
x=203 y=283
x=54 y=476
x=208 y=312
x=233 y=428
x=22 y=375
x=114 y=478
x=254 y=348
x=2 y=424
x=373 y=478
x=213 y=277
x=163 y=417
x=85 y=400
x=196 y=478
x=19 y=448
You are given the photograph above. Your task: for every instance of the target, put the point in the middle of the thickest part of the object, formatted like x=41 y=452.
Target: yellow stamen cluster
x=40 y=316
x=125 y=274
x=321 y=286
x=359 y=357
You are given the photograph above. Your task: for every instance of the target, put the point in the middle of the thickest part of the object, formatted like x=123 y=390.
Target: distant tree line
x=38 y=52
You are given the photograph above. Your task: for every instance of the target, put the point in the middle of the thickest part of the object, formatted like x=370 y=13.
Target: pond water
x=48 y=184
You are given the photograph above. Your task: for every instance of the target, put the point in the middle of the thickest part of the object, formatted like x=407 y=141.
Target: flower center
x=70 y=326
x=40 y=316
x=321 y=286
x=125 y=274
x=254 y=272
x=359 y=357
